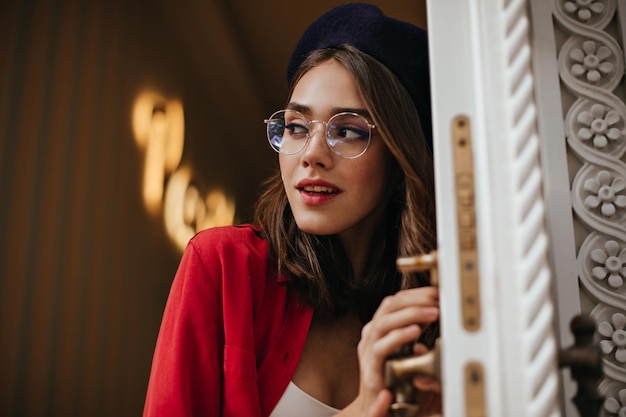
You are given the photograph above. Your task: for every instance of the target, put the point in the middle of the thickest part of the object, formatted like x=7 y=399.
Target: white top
x=296 y=402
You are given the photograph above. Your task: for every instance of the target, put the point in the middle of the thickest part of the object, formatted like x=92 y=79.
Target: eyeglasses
x=347 y=134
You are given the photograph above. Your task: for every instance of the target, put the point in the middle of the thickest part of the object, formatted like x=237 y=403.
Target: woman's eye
x=296 y=129
x=350 y=133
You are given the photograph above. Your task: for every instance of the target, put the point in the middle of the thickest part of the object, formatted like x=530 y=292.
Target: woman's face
x=329 y=194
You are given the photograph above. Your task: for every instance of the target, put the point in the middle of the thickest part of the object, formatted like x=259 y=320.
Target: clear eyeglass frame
x=342 y=146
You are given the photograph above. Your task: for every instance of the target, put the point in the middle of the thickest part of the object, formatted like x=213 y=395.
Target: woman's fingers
x=380 y=406
x=408 y=315
x=399 y=320
x=420 y=349
x=414 y=306
x=383 y=324
x=389 y=343
x=423 y=296
x=424 y=383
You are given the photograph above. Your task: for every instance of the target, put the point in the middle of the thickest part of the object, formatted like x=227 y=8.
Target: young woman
x=295 y=316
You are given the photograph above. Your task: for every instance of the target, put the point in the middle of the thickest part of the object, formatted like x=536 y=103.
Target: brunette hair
x=317 y=265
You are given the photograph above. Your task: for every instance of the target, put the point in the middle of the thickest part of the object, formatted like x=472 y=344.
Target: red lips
x=317 y=192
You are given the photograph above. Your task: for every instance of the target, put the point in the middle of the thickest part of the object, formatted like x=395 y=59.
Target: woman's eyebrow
x=360 y=111
x=299 y=107
x=307 y=110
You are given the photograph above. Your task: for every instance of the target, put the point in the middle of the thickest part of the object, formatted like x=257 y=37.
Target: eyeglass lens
x=347 y=134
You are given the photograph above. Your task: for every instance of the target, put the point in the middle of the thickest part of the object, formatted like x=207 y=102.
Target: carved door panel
x=578 y=55
x=540 y=83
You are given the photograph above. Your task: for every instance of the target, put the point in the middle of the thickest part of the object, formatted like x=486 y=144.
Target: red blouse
x=232 y=332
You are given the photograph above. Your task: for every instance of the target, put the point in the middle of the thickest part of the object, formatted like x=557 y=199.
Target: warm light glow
x=185 y=211
x=159 y=128
x=220 y=210
x=154 y=172
x=177 y=228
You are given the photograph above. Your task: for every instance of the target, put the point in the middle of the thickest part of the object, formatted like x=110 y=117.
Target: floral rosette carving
x=602 y=260
x=614 y=399
x=594 y=13
x=598 y=127
x=591 y=62
x=610 y=264
x=590 y=57
x=611 y=337
x=605 y=193
x=599 y=197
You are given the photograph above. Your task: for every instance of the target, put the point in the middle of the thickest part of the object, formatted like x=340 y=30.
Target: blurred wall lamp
x=167 y=188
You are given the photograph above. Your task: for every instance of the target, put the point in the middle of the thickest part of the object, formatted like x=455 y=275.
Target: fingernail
x=430 y=311
x=412 y=329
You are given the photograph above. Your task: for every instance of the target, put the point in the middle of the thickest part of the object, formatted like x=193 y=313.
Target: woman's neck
x=357 y=241
x=358 y=247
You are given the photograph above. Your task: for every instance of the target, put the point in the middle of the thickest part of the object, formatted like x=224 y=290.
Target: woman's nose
x=317 y=152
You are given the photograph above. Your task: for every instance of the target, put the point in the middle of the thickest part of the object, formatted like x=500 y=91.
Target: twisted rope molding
x=529 y=245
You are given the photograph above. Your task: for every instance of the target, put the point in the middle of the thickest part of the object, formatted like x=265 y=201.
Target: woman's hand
x=428 y=390
x=400 y=319
x=424 y=383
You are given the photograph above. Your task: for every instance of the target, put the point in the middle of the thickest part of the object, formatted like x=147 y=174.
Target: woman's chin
x=316 y=227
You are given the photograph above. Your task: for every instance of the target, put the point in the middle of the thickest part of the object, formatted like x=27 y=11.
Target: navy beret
x=401 y=46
